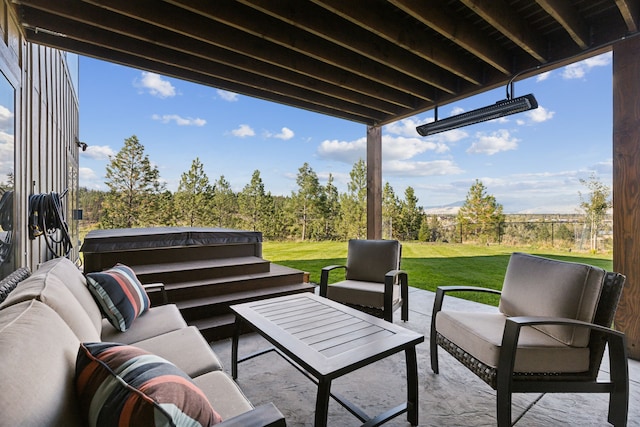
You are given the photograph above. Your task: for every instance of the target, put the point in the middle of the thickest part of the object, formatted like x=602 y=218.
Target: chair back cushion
x=537 y=286
x=370 y=260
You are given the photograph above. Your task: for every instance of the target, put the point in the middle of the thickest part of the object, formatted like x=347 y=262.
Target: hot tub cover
x=123 y=239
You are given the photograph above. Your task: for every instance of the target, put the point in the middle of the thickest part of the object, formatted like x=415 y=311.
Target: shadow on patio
x=455 y=397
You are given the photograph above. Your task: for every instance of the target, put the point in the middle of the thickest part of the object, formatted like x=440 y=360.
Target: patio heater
x=502 y=108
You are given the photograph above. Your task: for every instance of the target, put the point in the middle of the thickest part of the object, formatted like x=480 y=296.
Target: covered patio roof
x=372 y=62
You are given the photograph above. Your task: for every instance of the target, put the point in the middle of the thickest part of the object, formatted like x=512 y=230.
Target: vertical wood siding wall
x=46 y=131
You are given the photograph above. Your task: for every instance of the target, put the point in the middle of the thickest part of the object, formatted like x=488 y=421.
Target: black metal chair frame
x=386 y=313
x=392 y=277
x=506 y=382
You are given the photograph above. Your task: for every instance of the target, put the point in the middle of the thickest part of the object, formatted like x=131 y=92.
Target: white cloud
x=284 y=134
x=578 y=70
x=493 y=143
x=180 y=121
x=405 y=148
x=227 y=96
x=6 y=159
x=450 y=136
x=98 y=152
x=540 y=114
x=7 y=138
x=456 y=110
x=243 y=131
x=344 y=151
x=431 y=168
x=87 y=174
x=6 y=118
x=156 y=86
x=542 y=77
x=393 y=148
x=404 y=127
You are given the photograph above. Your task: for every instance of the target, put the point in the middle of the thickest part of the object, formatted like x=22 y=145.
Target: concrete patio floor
x=455 y=397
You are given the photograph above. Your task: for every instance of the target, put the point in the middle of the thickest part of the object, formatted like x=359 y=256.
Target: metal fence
x=574 y=235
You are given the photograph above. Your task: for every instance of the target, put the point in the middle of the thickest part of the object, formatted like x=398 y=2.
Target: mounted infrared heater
x=499 y=109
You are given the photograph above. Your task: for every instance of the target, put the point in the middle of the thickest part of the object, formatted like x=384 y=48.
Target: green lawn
x=428 y=265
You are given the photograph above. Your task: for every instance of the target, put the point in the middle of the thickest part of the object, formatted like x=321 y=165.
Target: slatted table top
x=326 y=338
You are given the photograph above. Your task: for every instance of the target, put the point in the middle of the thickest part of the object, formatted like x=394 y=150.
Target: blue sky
x=531 y=162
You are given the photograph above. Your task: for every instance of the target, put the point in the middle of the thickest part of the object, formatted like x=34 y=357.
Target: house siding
x=46 y=128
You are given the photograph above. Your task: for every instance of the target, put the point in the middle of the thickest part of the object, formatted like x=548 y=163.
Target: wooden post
x=374 y=182
x=626 y=186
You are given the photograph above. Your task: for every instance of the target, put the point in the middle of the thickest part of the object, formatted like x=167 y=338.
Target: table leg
x=412 y=385
x=322 y=402
x=234 y=348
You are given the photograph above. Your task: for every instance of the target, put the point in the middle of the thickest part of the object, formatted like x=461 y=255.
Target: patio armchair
x=547 y=336
x=373 y=281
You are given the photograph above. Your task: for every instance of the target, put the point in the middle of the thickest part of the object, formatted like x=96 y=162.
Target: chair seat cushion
x=480 y=334
x=362 y=293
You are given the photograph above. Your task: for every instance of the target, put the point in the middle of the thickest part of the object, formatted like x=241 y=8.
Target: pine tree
x=410 y=215
x=595 y=206
x=390 y=211
x=354 y=203
x=255 y=205
x=307 y=202
x=132 y=183
x=331 y=211
x=193 y=198
x=481 y=215
x=224 y=206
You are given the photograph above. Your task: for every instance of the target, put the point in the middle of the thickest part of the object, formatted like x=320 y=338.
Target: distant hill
x=450 y=209
x=453 y=208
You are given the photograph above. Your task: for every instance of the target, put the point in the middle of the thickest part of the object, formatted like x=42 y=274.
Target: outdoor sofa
x=46 y=318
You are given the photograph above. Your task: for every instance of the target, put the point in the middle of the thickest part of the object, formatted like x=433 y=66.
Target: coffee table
x=325 y=340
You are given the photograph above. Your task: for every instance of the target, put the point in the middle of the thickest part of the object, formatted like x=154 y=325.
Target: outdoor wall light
x=499 y=109
x=82 y=145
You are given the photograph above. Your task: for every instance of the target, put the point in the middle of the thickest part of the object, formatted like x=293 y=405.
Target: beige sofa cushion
x=368 y=294
x=37 y=367
x=48 y=288
x=223 y=394
x=480 y=334
x=74 y=280
x=153 y=322
x=536 y=286
x=186 y=348
x=59 y=284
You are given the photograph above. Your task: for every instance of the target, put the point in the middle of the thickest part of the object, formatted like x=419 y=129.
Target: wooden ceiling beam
x=268 y=28
x=563 y=13
x=329 y=26
x=431 y=14
x=413 y=38
x=630 y=11
x=138 y=51
x=191 y=28
x=499 y=15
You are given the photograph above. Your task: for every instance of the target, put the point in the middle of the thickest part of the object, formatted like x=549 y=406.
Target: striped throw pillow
x=119 y=294
x=122 y=385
